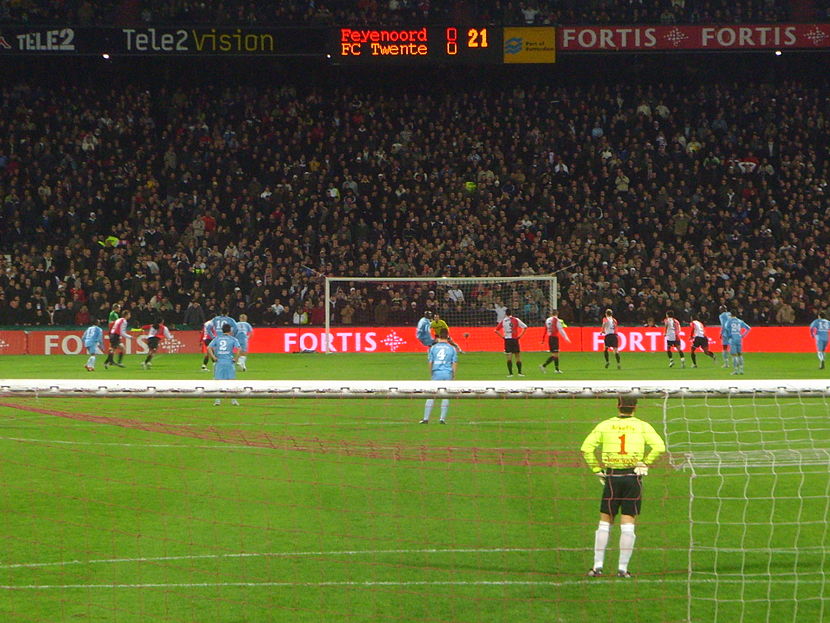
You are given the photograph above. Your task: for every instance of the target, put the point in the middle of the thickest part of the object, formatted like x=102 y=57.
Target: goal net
x=758 y=504
x=311 y=500
x=470 y=306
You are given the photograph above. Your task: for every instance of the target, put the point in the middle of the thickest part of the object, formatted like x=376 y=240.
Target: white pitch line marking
x=370 y=552
x=371 y=583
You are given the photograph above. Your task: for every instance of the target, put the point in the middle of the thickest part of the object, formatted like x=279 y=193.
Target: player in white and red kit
x=554 y=327
x=671 y=331
x=158 y=328
x=511 y=329
x=118 y=332
x=699 y=340
x=208 y=333
x=611 y=339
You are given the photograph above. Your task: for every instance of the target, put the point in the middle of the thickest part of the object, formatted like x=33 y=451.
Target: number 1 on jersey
x=622 y=444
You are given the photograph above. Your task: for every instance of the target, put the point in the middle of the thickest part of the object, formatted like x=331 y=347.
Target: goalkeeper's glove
x=601 y=476
x=641 y=469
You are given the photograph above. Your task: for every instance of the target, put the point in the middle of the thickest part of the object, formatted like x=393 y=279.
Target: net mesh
x=758 y=504
x=463 y=303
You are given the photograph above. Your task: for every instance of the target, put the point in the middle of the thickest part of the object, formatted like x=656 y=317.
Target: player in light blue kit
x=221 y=320
x=223 y=350
x=93 y=339
x=724 y=339
x=443 y=361
x=244 y=331
x=423 y=331
x=818 y=331
x=736 y=331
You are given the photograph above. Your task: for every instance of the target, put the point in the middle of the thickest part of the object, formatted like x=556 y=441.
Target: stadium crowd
x=642 y=198
x=392 y=12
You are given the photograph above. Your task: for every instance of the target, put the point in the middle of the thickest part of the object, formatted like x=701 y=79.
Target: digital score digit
x=432 y=44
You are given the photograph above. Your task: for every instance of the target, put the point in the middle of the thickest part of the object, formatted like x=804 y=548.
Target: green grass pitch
x=151 y=509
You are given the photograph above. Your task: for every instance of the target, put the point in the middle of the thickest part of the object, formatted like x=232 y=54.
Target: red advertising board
x=402 y=340
x=703 y=38
x=69 y=343
x=12 y=343
x=586 y=339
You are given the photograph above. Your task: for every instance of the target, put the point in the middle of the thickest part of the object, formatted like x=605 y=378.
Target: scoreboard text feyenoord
x=438 y=44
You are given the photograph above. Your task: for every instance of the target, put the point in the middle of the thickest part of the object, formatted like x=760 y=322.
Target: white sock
x=242 y=359
x=627 y=538
x=725 y=354
x=601 y=542
x=741 y=362
x=428 y=408
x=91 y=361
x=445 y=405
x=821 y=356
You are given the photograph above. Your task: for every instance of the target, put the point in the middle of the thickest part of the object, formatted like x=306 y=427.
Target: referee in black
x=622 y=442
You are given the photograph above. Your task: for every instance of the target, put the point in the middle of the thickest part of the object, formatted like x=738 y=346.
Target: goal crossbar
x=425 y=389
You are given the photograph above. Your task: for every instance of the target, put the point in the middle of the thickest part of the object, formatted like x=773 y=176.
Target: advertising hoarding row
x=402 y=340
x=410 y=43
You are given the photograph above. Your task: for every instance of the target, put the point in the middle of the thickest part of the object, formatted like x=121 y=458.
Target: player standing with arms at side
x=244 y=331
x=699 y=340
x=111 y=318
x=443 y=363
x=208 y=334
x=818 y=330
x=622 y=442
x=437 y=324
x=423 y=332
x=93 y=339
x=723 y=318
x=118 y=332
x=224 y=350
x=511 y=329
x=554 y=327
x=154 y=330
x=736 y=331
x=611 y=339
x=671 y=332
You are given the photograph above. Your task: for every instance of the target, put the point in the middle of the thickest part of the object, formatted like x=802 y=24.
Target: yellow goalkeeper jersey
x=622 y=442
x=437 y=325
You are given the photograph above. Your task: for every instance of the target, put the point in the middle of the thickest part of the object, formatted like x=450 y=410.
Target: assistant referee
x=622 y=441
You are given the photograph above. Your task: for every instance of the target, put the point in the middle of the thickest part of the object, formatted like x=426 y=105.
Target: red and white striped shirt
x=609 y=325
x=119 y=327
x=162 y=330
x=698 y=329
x=672 y=329
x=511 y=327
x=554 y=326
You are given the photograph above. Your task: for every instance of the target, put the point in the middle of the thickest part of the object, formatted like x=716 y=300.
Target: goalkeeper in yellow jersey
x=437 y=324
x=622 y=441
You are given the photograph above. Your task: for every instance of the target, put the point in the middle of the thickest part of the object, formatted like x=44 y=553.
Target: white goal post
x=462 y=301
